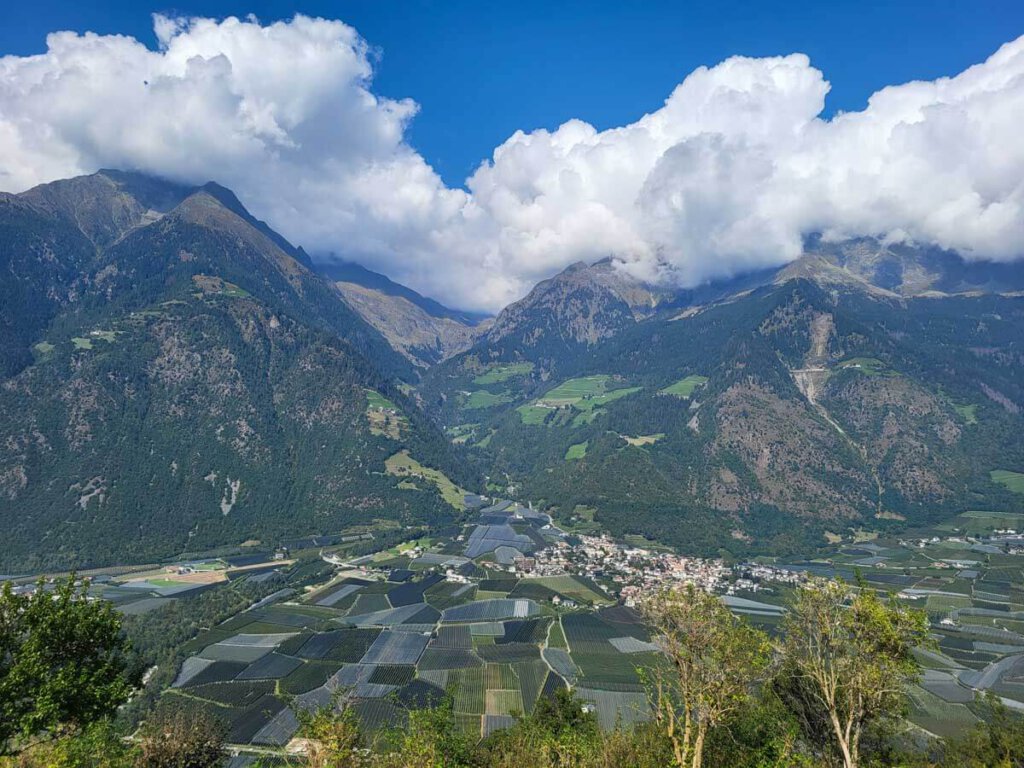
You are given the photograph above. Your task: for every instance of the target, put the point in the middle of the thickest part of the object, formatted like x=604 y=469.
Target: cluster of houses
x=633 y=571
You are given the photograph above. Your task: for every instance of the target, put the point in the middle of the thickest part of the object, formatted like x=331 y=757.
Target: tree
x=714 y=661
x=99 y=745
x=181 y=738
x=63 y=661
x=334 y=739
x=430 y=740
x=846 y=662
x=560 y=731
x=996 y=741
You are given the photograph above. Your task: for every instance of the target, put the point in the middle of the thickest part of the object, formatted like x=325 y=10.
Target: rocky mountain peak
x=108 y=204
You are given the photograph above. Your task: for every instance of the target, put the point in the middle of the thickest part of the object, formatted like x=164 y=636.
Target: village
x=626 y=571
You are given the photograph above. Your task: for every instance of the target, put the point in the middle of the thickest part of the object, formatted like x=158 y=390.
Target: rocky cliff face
x=580 y=307
x=421 y=336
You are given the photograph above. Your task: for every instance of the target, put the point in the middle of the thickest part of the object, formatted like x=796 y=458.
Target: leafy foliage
x=714 y=662
x=847 y=662
x=63 y=660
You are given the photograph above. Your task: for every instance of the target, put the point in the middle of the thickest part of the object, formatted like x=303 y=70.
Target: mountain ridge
x=183 y=381
x=162 y=349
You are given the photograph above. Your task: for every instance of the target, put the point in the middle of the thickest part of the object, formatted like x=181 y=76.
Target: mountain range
x=863 y=386
x=175 y=376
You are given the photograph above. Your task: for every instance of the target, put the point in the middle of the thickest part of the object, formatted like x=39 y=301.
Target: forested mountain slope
x=762 y=421
x=175 y=376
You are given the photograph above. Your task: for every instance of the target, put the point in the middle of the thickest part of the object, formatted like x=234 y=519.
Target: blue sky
x=481 y=70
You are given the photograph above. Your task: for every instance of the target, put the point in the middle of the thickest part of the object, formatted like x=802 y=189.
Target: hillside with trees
x=177 y=377
x=763 y=420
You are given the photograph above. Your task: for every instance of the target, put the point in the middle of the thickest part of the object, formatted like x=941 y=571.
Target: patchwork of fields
x=399 y=631
x=968 y=575
x=441 y=615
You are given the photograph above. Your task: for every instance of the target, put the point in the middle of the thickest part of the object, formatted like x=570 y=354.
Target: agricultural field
x=483 y=398
x=684 y=388
x=384 y=417
x=581 y=399
x=388 y=639
x=1014 y=481
x=143 y=590
x=967 y=574
x=402 y=464
x=450 y=612
x=501 y=373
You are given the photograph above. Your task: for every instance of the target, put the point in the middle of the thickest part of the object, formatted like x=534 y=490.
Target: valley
x=300 y=482
x=509 y=606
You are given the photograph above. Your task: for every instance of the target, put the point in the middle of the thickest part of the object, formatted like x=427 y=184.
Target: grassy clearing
x=1014 y=481
x=404 y=465
x=235 y=292
x=407 y=546
x=967 y=413
x=684 y=388
x=384 y=417
x=81 y=343
x=577 y=451
x=869 y=366
x=481 y=398
x=585 y=396
x=595 y=402
x=43 y=348
x=580 y=520
x=375 y=399
x=587 y=417
x=207 y=284
x=501 y=373
x=533 y=414
x=461 y=433
x=642 y=440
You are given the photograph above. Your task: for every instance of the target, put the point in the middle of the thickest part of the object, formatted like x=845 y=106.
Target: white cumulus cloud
x=729 y=175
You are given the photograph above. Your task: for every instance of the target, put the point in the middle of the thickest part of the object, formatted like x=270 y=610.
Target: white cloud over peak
x=728 y=175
